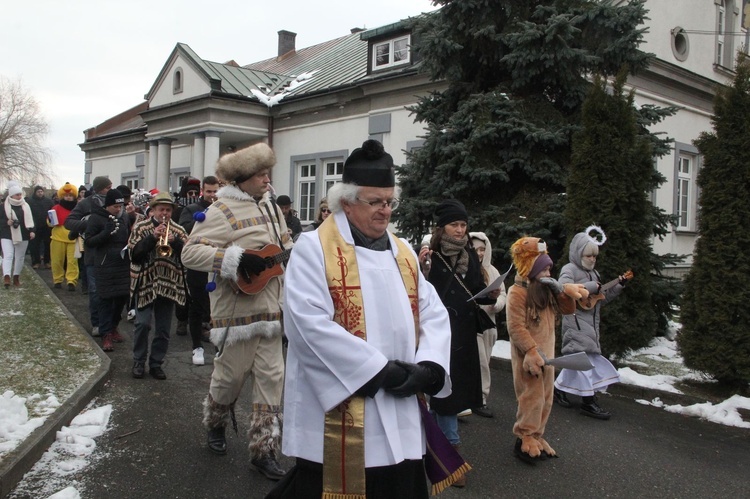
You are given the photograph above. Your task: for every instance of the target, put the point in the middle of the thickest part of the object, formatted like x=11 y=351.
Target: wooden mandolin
x=275 y=257
x=590 y=302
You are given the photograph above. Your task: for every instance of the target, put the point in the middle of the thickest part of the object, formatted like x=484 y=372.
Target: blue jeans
x=161 y=310
x=93 y=297
x=449 y=425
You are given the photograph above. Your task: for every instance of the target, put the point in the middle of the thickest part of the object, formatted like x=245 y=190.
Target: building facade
x=314 y=105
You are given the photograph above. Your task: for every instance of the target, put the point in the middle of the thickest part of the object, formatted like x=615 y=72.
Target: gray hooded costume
x=580 y=331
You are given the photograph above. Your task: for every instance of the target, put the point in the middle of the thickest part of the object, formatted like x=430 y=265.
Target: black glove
x=252 y=264
x=391 y=375
x=421 y=378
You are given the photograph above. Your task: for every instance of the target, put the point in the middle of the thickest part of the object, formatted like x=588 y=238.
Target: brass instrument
x=163 y=249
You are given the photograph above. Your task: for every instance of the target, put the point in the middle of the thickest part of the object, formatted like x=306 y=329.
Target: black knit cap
x=370 y=166
x=113 y=197
x=450 y=210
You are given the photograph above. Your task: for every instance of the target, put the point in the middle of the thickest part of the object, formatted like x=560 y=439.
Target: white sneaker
x=464 y=413
x=95 y=331
x=131 y=315
x=198 y=357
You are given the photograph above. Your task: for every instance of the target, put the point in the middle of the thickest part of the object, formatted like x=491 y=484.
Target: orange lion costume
x=531 y=327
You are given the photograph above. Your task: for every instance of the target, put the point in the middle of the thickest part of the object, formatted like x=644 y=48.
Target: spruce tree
x=499 y=135
x=715 y=311
x=611 y=175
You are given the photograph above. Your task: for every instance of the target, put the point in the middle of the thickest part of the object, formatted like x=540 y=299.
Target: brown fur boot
x=16 y=281
x=6 y=281
x=264 y=434
x=216 y=417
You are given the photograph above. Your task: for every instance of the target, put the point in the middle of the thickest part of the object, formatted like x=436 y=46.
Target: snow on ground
x=664 y=350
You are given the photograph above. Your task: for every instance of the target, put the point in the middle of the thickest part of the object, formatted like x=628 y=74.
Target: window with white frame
x=720 y=31
x=333 y=171
x=685 y=191
x=390 y=53
x=306 y=176
x=132 y=182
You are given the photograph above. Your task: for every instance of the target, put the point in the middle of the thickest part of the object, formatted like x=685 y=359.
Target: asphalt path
x=155 y=446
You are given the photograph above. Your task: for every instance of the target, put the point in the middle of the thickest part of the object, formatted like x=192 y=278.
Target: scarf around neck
x=28 y=219
x=455 y=250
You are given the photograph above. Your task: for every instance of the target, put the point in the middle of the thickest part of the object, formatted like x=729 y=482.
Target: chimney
x=286 y=42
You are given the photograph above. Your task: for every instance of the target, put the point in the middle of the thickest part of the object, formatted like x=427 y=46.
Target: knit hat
x=239 y=166
x=101 y=183
x=284 y=200
x=162 y=198
x=526 y=252
x=66 y=189
x=14 y=188
x=369 y=166
x=189 y=184
x=38 y=187
x=113 y=197
x=125 y=191
x=450 y=210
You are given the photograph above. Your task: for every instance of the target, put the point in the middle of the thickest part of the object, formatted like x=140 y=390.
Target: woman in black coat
x=107 y=234
x=455 y=272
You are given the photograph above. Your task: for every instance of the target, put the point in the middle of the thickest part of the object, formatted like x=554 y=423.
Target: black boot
x=217 y=440
x=561 y=399
x=590 y=408
x=268 y=466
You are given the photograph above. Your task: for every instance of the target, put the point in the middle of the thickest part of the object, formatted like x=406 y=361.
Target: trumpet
x=163 y=249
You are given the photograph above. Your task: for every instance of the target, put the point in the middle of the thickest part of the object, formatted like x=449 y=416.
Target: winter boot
x=6 y=281
x=16 y=281
x=561 y=399
x=116 y=336
x=215 y=419
x=590 y=408
x=107 y=345
x=264 y=436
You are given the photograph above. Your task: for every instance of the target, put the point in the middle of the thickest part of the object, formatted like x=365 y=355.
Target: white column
x=153 y=158
x=165 y=164
x=213 y=149
x=199 y=155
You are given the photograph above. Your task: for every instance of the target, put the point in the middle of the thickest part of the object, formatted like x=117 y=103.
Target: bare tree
x=23 y=130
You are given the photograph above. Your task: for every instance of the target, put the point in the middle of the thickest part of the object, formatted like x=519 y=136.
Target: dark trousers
x=93 y=296
x=406 y=480
x=110 y=313
x=200 y=305
x=161 y=310
x=39 y=246
x=82 y=274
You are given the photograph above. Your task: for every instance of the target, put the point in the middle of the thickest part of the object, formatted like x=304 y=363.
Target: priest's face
x=371 y=211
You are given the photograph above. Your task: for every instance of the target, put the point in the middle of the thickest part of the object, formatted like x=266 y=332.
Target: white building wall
x=193 y=85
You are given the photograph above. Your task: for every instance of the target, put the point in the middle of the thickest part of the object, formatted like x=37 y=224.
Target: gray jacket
x=580 y=331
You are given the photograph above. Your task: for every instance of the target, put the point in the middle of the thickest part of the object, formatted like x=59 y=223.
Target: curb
x=26 y=455
x=623 y=390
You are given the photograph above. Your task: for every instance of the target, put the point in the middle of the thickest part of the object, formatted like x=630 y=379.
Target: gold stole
x=344 y=439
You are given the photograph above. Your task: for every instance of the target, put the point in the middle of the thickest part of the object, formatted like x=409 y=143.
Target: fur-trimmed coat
x=235 y=222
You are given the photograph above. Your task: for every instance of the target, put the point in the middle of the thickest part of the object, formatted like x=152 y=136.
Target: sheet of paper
x=493 y=285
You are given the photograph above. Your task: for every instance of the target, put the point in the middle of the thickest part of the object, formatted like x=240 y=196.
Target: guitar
x=275 y=257
x=591 y=301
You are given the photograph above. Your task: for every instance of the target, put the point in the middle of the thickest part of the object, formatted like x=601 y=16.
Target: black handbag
x=484 y=321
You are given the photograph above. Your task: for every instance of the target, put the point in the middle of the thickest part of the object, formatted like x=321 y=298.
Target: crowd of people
x=386 y=345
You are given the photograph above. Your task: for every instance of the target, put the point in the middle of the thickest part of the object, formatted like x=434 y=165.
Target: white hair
x=348 y=193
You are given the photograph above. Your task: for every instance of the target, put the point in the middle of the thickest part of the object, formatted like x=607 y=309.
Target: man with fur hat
x=246 y=327
x=40 y=204
x=157 y=282
x=77 y=222
x=62 y=248
x=533 y=304
x=366 y=332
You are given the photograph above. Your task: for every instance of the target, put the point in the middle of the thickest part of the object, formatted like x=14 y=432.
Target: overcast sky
x=87 y=60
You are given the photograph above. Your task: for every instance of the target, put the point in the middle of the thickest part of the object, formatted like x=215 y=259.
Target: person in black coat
x=107 y=233
x=40 y=205
x=198 y=306
x=455 y=271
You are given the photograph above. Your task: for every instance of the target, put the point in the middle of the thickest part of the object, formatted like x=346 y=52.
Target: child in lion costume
x=534 y=302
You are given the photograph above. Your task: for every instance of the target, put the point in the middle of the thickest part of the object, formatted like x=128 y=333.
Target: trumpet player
x=157 y=283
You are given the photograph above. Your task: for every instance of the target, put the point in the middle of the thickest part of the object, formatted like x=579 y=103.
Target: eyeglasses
x=380 y=204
